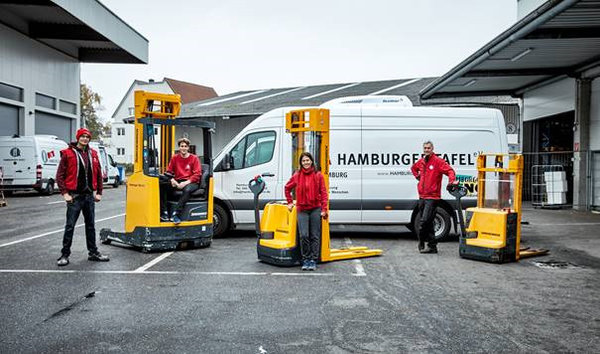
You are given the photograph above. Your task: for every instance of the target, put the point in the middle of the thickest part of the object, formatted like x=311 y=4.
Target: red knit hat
x=82 y=131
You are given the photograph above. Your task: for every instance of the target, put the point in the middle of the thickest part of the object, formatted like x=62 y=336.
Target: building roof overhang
x=561 y=38
x=85 y=29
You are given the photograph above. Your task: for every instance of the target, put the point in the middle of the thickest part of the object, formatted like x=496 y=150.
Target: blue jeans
x=81 y=203
x=309 y=228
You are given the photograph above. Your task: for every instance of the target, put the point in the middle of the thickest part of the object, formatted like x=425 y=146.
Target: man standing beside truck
x=78 y=176
x=428 y=171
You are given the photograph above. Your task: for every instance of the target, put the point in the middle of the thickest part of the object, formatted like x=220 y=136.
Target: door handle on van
x=19 y=171
x=268 y=174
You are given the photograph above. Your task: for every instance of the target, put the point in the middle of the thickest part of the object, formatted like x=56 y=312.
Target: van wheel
x=117 y=182
x=49 y=188
x=442 y=224
x=220 y=220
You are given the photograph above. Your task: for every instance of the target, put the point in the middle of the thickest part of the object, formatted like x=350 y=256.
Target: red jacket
x=316 y=183
x=68 y=169
x=185 y=168
x=430 y=174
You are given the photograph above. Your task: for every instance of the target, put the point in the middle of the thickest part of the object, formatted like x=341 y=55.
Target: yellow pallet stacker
x=493 y=231
x=278 y=241
x=143 y=227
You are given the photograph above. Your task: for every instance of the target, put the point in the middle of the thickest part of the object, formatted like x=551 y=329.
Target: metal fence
x=531 y=183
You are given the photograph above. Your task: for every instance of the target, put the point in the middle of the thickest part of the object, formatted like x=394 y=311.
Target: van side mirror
x=226 y=163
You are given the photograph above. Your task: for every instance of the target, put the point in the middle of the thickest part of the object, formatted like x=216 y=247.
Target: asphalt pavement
x=222 y=299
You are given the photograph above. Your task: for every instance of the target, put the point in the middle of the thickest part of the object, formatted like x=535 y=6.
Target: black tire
x=117 y=182
x=221 y=222
x=49 y=188
x=442 y=224
x=106 y=242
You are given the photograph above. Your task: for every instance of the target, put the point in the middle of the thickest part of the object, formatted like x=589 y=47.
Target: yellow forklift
x=155 y=113
x=278 y=241
x=493 y=231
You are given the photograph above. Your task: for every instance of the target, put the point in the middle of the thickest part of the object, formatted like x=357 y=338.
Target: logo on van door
x=15 y=152
x=387 y=159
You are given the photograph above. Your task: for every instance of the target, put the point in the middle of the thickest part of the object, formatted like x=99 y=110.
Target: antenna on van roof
x=399 y=101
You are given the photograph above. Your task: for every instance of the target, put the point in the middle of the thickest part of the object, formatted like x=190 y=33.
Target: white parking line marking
x=153 y=262
x=360 y=270
x=568 y=224
x=66 y=271
x=56 y=202
x=55 y=231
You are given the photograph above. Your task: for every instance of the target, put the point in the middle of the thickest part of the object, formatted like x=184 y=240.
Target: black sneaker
x=97 y=257
x=164 y=216
x=62 y=261
x=428 y=250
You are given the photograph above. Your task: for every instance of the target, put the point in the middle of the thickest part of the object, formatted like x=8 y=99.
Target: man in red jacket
x=78 y=176
x=186 y=172
x=428 y=171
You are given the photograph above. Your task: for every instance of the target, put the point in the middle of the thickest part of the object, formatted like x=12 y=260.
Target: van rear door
x=17 y=158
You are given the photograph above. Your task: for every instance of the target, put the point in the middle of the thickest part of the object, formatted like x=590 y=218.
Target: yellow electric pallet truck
x=143 y=226
x=493 y=231
x=278 y=241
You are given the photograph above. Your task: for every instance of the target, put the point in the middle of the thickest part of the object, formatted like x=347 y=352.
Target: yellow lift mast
x=278 y=239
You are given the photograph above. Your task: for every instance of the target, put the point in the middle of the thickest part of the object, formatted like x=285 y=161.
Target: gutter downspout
x=539 y=16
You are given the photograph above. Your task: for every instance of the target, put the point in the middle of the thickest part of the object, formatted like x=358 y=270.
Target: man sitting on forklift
x=184 y=173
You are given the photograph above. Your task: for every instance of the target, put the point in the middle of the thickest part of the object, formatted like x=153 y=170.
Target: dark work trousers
x=309 y=228
x=166 y=188
x=81 y=203
x=426 y=232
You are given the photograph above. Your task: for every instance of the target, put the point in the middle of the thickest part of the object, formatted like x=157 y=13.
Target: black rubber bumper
x=287 y=257
x=151 y=239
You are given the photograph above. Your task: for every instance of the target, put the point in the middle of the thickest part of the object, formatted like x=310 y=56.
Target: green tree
x=90 y=102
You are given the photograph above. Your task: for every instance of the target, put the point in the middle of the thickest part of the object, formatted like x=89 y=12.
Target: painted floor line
x=158 y=272
x=55 y=231
x=360 y=270
x=56 y=202
x=153 y=262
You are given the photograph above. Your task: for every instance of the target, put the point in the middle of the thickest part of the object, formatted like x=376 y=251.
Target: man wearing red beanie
x=78 y=176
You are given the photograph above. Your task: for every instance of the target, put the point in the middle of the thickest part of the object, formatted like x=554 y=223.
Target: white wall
x=548 y=100
x=124 y=110
x=34 y=67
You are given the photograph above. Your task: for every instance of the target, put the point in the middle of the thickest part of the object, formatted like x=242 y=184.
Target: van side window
x=254 y=149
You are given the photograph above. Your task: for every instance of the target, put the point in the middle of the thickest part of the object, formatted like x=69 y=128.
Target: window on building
x=45 y=101
x=11 y=92
x=131 y=111
x=120 y=151
x=120 y=131
x=155 y=131
x=67 y=107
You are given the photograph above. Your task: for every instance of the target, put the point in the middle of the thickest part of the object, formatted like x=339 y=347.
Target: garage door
x=9 y=119
x=46 y=123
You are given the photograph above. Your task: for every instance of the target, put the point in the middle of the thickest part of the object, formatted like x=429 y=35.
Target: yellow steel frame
x=490 y=223
x=143 y=206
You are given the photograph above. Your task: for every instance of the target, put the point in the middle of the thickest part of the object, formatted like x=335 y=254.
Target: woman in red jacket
x=311 y=205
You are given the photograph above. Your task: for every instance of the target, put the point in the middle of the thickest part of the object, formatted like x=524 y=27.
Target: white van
x=30 y=162
x=110 y=173
x=374 y=142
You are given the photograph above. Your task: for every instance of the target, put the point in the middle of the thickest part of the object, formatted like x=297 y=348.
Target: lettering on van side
x=394 y=159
